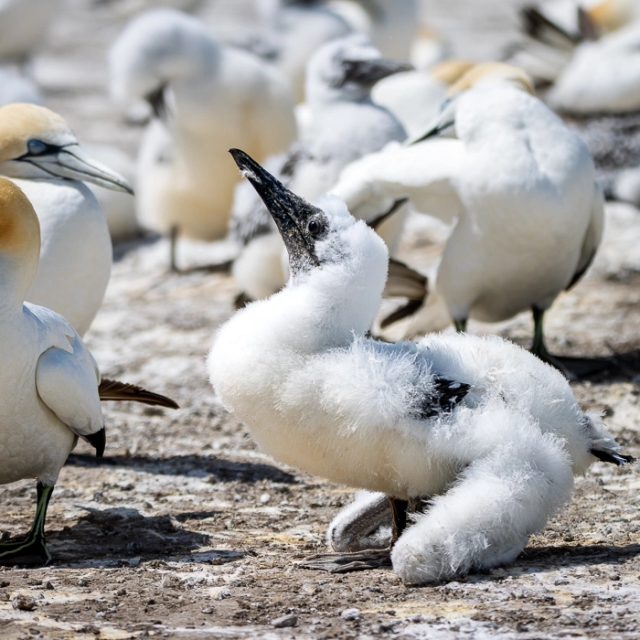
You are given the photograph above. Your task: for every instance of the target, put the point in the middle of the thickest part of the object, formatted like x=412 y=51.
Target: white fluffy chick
x=346 y=126
x=483 y=434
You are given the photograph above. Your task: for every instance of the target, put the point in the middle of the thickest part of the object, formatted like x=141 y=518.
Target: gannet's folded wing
x=592 y=237
x=67 y=382
x=425 y=173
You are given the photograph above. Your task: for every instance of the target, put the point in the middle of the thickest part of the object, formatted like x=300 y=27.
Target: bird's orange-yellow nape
x=610 y=15
x=21 y=122
x=19 y=226
x=450 y=71
x=492 y=71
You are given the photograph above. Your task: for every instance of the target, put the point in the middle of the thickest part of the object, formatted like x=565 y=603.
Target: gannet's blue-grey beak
x=300 y=223
x=366 y=73
x=70 y=161
x=443 y=121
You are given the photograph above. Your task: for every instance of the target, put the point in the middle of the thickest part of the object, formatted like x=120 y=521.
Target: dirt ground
x=185 y=530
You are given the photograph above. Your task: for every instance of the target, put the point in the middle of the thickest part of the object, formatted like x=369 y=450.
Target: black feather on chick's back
x=447 y=395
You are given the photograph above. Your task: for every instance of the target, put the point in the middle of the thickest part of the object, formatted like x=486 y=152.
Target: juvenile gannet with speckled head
x=48 y=379
x=519 y=187
x=487 y=433
x=210 y=97
x=346 y=125
x=42 y=155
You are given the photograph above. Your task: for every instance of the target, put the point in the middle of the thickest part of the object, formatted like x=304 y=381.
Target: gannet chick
x=486 y=433
x=210 y=97
x=41 y=153
x=517 y=182
x=48 y=381
x=346 y=126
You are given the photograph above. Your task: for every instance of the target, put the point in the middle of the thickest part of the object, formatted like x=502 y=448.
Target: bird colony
x=308 y=149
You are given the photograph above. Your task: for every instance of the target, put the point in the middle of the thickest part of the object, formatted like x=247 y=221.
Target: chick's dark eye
x=37 y=147
x=314 y=227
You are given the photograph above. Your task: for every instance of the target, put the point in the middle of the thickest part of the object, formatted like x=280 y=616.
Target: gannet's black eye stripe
x=39 y=148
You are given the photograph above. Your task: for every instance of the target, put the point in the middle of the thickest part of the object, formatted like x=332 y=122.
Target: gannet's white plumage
x=602 y=76
x=518 y=181
x=41 y=154
x=48 y=379
x=346 y=126
x=216 y=97
x=480 y=427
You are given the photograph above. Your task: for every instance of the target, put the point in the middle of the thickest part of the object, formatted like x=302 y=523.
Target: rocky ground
x=185 y=530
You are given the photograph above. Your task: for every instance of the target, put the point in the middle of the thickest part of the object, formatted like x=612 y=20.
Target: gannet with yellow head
x=42 y=155
x=517 y=184
x=48 y=379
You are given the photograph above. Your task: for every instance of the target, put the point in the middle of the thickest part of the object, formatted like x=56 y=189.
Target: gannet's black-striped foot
x=32 y=549
x=363 y=524
x=363 y=534
x=348 y=562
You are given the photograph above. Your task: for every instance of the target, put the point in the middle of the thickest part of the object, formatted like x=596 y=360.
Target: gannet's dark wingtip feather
x=612 y=457
x=98 y=441
x=447 y=395
x=114 y=390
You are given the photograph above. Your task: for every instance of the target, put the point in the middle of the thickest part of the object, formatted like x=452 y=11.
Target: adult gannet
x=521 y=185
x=602 y=76
x=487 y=433
x=42 y=155
x=48 y=379
x=211 y=96
x=558 y=29
x=346 y=126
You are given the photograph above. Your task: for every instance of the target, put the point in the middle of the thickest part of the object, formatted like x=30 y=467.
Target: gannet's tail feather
x=613 y=457
x=544 y=29
x=114 y=390
x=603 y=446
x=404 y=282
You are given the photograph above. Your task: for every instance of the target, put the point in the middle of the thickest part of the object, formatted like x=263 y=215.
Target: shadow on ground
x=120 y=534
x=219 y=469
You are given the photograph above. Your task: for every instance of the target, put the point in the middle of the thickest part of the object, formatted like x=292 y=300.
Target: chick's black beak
x=292 y=215
x=367 y=72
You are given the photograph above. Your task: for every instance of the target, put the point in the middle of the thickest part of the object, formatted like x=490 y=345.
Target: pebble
x=264 y=498
x=208 y=610
x=83 y=582
x=290 y=620
x=24 y=603
x=351 y=614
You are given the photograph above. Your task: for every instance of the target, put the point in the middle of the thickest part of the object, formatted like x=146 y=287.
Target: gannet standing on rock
x=48 y=379
x=346 y=125
x=210 y=97
x=486 y=433
x=42 y=155
x=520 y=186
